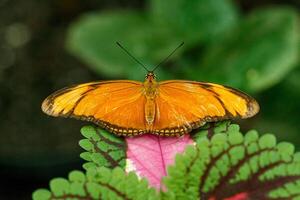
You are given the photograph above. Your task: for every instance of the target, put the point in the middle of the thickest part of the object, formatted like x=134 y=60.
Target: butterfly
x=166 y=108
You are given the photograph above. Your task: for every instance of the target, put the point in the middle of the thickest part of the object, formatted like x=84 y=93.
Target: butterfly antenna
x=136 y=60
x=168 y=56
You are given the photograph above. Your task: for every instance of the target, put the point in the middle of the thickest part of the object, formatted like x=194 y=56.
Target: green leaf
x=95 y=185
x=194 y=20
x=59 y=186
x=211 y=129
x=41 y=194
x=230 y=166
x=273 y=118
x=102 y=148
x=93 y=39
x=257 y=54
x=77 y=176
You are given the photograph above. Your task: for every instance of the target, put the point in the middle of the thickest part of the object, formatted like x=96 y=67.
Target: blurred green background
x=46 y=45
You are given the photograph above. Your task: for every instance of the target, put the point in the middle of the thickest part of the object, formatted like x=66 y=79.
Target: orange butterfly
x=167 y=108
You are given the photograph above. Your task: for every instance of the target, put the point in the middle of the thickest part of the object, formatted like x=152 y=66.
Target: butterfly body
x=167 y=108
x=151 y=91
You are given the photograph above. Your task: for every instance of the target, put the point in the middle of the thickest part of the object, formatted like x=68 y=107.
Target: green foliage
x=252 y=54
x=281 y=109
x=224 y=163
x=150 y=37
x=232 y=164
x=211 y=129
x=93 y=39
x=102 y=148
x=257 y=54
x=188 y=20
x=100 y=183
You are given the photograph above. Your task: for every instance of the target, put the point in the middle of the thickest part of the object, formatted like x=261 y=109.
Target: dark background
x=34 y=62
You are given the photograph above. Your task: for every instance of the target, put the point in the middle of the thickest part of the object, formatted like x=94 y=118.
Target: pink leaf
x=149 y=155
x=240 y=196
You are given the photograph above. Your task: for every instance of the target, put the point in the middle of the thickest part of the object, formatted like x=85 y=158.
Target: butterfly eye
x=150 y=75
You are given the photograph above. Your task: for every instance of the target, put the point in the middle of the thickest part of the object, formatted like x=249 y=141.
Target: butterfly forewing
x=186 y=105
x=117 y=106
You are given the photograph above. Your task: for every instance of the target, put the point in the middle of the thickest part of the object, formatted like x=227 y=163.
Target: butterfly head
x=150 y=76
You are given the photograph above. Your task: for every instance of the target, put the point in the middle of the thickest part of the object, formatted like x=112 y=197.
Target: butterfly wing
x=185 y=105
x=117 y=106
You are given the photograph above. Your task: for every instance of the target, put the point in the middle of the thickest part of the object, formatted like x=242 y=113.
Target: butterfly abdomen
x=150 y=87
x=150 y=111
